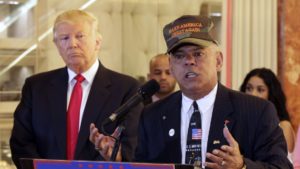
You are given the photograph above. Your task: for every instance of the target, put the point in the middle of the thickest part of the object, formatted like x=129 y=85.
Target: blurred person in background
x=263 y=83
x=159 y=70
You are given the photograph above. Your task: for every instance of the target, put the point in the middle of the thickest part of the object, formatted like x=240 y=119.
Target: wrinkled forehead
x=72 y=27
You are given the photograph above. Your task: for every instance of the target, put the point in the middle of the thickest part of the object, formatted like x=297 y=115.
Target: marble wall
x=289 y=55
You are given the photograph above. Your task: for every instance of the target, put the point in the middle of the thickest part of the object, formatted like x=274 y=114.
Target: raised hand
x=228 y=157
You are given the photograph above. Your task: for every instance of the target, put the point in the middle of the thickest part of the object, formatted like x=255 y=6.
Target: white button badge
x=171 y=132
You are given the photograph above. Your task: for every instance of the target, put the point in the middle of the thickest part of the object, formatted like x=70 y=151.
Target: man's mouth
x=191 y=75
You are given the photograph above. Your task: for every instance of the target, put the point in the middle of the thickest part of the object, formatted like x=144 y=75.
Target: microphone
x=144 y=92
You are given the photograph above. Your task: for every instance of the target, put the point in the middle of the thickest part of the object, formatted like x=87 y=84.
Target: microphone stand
x=117 y=138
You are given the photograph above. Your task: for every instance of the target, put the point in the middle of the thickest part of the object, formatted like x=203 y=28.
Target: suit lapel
x=222 y=113
x=96 y=100
x=57 y=94
x=171 y=129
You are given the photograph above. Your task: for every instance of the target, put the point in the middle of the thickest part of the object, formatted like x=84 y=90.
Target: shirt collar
x=154 y=98
x=204 y=103
x=88 y=75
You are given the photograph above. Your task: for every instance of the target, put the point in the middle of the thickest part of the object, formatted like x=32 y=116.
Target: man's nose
x=163 y=75
x=72 y=42
x=190 y=59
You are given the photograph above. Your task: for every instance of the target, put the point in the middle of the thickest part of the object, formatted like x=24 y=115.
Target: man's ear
x=219 y=61
x=170 y=67
x=98 y=41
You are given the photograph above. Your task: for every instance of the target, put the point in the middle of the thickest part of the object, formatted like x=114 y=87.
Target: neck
x=198 y=94
x=81 y=68
x=162 y=95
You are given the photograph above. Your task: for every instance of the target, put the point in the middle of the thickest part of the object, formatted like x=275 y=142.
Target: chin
x=76 y=61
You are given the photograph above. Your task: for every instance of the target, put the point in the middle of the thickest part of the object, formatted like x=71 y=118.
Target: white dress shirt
x=206 y=105
x=89 y=76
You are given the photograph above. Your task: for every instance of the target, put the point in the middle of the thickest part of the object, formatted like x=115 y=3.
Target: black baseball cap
x=191 y=29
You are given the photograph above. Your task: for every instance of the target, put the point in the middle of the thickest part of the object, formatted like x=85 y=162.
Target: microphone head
x=149 y=88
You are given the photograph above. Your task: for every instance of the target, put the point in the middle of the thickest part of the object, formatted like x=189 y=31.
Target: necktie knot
x=195 y=105
x=79 y=78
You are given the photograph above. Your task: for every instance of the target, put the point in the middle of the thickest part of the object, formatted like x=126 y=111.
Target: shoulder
x=117 y=77
x=171 y=102
x=246 y=106
x=285 y=123
x=244 y=100
x=45 y=77
x=286 y=126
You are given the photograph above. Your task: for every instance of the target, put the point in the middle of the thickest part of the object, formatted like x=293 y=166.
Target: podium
x=65 y=164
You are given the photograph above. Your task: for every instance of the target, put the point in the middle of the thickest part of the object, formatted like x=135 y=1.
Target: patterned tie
x=73 y=117
x=193 y=147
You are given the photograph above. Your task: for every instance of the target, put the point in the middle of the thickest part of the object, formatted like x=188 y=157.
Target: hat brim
x=200 y=42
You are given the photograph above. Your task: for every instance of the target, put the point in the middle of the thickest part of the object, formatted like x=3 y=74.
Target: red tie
x=73 y=117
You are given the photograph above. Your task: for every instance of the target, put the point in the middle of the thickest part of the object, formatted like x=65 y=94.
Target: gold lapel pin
x=216 y=142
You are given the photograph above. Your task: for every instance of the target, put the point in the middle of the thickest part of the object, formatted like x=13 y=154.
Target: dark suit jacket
x=147 y=101
x=39 y=129
x=252 y=122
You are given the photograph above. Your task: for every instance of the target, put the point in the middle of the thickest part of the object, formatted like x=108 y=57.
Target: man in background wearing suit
x=57 y=107
x=159 y=70
x=207 y=124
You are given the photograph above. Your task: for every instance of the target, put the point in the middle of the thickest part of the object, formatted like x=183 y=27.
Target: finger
x=100 y=141
x=92 y=126
x=223 y=156
x=117 y=132
x=214 y=157
x=105 y=152
x=119 y=156
x=228 y=149
x=93 y=134
x=229 y=137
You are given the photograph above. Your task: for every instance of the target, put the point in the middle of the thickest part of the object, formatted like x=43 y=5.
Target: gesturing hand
x=103 y=144
x=228 y=157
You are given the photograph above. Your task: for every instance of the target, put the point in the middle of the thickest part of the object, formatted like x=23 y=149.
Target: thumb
x=229 y=138
x=118 y=131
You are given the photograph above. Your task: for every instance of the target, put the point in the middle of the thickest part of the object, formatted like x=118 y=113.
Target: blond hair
x=76 y=16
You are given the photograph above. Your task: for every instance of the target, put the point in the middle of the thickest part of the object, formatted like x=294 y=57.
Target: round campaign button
x=171 y=132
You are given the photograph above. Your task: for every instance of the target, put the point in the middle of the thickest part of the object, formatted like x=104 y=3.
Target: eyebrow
x=193 y=49
x=249 y=84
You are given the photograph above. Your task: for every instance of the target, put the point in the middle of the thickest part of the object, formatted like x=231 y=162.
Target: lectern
x=64 y=164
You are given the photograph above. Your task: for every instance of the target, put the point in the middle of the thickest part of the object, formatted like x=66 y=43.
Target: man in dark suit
x=43 y=121
x=205 y=123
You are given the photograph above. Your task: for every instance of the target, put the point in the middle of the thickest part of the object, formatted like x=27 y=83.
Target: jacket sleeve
x=269 y=147
x=22 y=140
